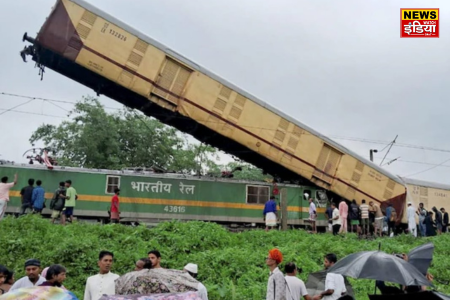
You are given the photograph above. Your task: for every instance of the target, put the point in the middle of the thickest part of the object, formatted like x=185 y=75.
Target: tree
x=94 y=138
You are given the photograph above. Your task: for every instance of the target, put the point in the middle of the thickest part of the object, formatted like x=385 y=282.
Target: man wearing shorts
x=71 y=197
x=58 y=203
x=379 y=219
x=312 y=214
x=364 y=208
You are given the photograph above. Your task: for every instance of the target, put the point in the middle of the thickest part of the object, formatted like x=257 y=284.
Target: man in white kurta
x=192 y=269
x=411 y=216
x=102 y=283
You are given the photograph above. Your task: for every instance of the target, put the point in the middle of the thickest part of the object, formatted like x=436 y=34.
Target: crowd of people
x=33 y=199
x=369 y=219
x=290 y=287
x=103 y=283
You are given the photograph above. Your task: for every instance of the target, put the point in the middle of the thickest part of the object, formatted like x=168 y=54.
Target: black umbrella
x=316 y=283
x=421 y=257
x=427 y=295
x=381 y=266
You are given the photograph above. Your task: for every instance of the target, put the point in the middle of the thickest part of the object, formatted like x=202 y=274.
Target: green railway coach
x=149 y=197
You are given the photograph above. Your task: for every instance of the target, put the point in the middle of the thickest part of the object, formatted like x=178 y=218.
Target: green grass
x=231 y=265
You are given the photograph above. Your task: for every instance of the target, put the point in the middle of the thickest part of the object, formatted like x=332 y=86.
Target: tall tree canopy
x=94 y=138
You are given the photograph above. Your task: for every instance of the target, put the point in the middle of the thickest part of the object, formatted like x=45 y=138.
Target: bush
x=231 y=265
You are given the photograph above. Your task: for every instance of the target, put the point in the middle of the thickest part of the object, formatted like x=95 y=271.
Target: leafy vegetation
x=231 y=265
x=95 y=138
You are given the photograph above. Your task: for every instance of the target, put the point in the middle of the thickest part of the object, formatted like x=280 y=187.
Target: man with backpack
x=57 y=204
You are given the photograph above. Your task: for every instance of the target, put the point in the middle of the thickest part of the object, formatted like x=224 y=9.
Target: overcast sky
x=338 y=66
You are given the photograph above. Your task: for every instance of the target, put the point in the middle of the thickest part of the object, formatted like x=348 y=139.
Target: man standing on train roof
x=411 y=217
x=4 y=193
x=71 y=197
x=343 y=214
x=270 y=213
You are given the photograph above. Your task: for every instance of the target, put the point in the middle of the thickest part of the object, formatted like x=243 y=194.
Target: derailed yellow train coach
x=105 y=54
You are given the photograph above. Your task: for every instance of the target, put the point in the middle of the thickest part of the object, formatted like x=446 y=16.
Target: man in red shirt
x=115 y=206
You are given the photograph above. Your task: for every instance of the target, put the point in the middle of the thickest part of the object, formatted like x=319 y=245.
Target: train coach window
x=307 y=194
x=257 y=194
x=112 y=182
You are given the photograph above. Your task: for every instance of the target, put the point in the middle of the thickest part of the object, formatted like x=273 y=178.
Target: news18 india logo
x=419 y=22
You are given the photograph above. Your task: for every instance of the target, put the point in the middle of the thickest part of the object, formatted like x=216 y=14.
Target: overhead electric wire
x=12 y=108
x=423 y=171
x=392 y=144
x=32 y=113
x=57 y=105
x=363 y=140
x=400 y=160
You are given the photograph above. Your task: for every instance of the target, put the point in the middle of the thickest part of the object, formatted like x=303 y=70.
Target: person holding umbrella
x=334 y=283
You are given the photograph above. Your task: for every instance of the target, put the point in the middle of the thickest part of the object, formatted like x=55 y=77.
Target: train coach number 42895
x=175 y=209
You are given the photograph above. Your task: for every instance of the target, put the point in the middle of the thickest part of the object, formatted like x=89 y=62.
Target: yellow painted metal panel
x=429 y=197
